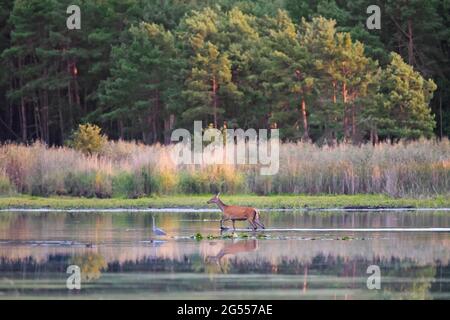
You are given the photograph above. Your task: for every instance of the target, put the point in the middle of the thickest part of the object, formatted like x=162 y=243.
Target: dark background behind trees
x=140 y=68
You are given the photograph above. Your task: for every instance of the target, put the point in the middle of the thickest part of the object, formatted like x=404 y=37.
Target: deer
x=232 y=249
x=238 y=213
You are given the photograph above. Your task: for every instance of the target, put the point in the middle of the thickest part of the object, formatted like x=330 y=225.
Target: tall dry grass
x=133 y=170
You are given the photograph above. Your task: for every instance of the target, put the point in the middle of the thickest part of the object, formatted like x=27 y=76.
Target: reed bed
x=128 y=169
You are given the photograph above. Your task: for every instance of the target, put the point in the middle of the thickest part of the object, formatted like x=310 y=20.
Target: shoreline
x=359 y=202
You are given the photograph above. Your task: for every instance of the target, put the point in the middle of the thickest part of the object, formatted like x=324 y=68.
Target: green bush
x=190 y=184
x=136 y=184
x=80 y=184
x=6 y=187
x=150 y=182
x=103 y=185
x=210 y=182
x=88 y=139
x=88 y=184
x=123 y=185
x=42 y=186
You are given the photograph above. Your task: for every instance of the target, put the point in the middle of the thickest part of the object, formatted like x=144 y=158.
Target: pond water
x=304 y=255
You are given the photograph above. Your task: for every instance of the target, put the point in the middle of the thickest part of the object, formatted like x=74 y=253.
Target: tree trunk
x=37 y=121
x=214 y=88
x=85 y=101
x=440 y=115
x=410 y=43
x=143 y=126
x=156 y=114
x=334 y=92
x=168 y=126
x=23 y=118
x=75 y=83
x=76 y=92
x=44 y=116
x=305 y=120
x=10 y=114
x=354 y=123
x=344 y=97
x=121 y=130
x=154 y=128
x=69 y=96
x=374 y=136
x=333 y=141
x=61 y=119
x=23 y=111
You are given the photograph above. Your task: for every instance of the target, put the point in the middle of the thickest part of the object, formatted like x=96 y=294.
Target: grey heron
x=157 y=231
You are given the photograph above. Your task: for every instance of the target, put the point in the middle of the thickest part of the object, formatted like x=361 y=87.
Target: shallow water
x=304 y=255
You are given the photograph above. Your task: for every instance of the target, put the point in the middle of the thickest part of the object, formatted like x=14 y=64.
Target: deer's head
x=214 y=199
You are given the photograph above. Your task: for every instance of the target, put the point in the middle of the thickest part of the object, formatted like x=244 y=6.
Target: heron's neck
x=221 y=205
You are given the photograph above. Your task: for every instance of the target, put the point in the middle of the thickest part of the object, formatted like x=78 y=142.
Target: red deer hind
x=238 y=213
x=232 y=249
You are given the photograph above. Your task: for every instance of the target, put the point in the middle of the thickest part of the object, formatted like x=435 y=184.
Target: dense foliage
x=140 y=68
x=88 y=139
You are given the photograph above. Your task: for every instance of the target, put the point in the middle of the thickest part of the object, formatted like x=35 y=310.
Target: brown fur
x=237 y=213
x=231 y=249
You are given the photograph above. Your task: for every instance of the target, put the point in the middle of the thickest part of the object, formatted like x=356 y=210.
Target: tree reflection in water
x=401 y=279
x=115 y=255
x=91 y=265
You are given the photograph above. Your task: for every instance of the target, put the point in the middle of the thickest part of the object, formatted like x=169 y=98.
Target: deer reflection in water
x=227 y=249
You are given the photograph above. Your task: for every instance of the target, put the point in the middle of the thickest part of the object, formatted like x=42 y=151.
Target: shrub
x=15 y=163
x=6 y=187
x=123 y=185
x=135 y=184
x=166 y=182
x=88 y=139
x=81 y=184
x=149 y=181
x=211 y=179
x=224 y=178
x=189 y=183
x=102 y=185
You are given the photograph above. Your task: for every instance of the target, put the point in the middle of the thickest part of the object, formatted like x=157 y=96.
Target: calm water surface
x=119 y=256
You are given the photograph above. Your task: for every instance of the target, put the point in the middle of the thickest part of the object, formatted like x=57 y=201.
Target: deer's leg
x=234 y=227
x=222 y=221
x=260 y=224
x=255 y=221
x=253 y=225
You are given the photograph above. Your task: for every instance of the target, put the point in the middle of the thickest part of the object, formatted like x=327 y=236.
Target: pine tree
x=355 y=72
x=142 y=86
x=319 y=38
x=6 y=107
x=142 y=68
x=246 y=106
x=290 y=77
x=209 y=69
x=406 y=101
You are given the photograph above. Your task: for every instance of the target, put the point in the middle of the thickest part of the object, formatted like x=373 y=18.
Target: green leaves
x=142 y=68
x=406 y=99
x=89 y=139
x=143 y=75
